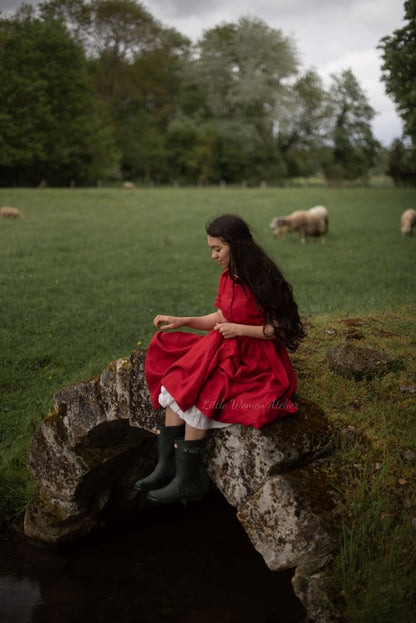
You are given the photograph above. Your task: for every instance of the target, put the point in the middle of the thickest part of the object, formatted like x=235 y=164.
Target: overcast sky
x=330 y=36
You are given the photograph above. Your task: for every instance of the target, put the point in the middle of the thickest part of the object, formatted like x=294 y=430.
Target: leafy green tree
x=50 y=127
x=399 y=69
x=402 y=164
x=135 y=66
x=303 y=125
x=120 y=32
x=148 y=101
x=243 y=69
x=193 y=151
x=350 y=137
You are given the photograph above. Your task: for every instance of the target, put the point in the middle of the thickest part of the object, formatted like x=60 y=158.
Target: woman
x=239 y=372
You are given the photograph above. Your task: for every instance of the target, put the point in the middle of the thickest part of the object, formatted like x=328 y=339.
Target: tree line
x=101 y=90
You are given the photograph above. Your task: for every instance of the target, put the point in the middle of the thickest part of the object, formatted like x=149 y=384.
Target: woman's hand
x=227 y=329
x=172 y=322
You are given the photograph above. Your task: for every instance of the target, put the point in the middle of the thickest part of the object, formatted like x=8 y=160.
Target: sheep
x=129 y=185
x=407 y=221
x=305 y=223
x=319 y=211
x=7 y=212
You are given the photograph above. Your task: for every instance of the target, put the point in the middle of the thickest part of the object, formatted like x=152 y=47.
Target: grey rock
x=311 y=587
x=241 y=458
x=358 y=362
x=291 y=520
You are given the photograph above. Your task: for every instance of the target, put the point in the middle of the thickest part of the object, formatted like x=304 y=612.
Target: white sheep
x=307 y=224
x=7 y=212
x=407 y=221
x=319 y=211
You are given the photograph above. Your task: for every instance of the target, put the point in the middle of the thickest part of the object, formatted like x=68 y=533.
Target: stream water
x=175 y=564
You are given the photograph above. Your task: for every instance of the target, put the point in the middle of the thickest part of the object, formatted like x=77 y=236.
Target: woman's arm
x=231 y=329
x=203 y=323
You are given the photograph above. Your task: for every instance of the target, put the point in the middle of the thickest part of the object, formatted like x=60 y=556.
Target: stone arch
x=101 y=437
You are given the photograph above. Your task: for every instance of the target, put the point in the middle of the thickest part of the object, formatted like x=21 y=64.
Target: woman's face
x=220 y=251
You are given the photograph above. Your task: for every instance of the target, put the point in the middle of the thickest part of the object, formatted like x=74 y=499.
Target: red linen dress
x=237 y=380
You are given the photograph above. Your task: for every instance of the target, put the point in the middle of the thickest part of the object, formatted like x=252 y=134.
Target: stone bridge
x=86 y=455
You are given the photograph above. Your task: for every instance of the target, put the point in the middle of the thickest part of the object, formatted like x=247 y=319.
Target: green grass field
x=85 y=272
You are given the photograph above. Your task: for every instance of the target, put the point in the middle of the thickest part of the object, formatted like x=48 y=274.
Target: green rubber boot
x=165 y=467
x=188 y=484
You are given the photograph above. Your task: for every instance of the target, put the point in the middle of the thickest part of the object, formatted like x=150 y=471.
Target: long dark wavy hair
x=250 y=265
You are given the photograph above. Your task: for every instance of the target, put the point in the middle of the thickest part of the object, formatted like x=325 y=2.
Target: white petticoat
x=192 y=416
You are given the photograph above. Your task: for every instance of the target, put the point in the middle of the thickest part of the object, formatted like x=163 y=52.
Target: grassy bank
x=374 y=468
x=86 y=271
